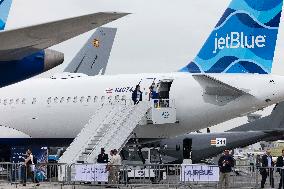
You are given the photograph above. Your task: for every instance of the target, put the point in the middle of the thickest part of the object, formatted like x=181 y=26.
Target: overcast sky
x=159 y=35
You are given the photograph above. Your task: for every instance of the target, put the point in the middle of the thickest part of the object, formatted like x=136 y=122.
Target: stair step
x=110 y=128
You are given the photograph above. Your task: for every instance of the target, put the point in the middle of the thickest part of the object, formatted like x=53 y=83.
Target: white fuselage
x=59 y=108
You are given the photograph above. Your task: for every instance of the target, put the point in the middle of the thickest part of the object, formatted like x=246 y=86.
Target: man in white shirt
x=114 y=165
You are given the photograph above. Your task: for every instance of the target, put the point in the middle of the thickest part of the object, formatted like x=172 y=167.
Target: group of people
x=265 y=166
x=113 y=164
x=137 y=94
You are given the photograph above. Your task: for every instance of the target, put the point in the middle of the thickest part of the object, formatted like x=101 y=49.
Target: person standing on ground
x=110 y=169
x=280 y=168
x=225 y=163
x=102 y=157
x=251 y=162
x=115 y=163
x=30 y=168
x=267 y=169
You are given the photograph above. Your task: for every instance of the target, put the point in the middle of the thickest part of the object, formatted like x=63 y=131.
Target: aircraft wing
x=213 y=86
x=18 y=43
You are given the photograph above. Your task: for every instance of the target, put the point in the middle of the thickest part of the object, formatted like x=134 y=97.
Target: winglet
x=5 y=6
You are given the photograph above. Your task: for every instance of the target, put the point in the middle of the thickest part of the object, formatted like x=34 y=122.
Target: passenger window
x=56 y=100
x=17 y=101
x=34 y=101
x=75 y=99
x=5 y=102
x=23 y=101
x=68 y=99
x=49 y=100
x=117 y=97
x=109 y=99
x=82 y=99
x=95 y=99
x=89 y=98
x=11 y=101
x=62 y=100
x=103 y=98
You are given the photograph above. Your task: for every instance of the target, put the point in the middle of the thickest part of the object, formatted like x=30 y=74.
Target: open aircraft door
x=144 y=87
x=187 y=148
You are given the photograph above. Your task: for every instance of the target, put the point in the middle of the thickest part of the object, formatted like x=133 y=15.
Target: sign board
x=91 y=173
x=199 y=173
x=141 y=173
x=218 y=142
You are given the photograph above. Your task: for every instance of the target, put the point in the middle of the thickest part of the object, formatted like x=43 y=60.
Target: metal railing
x=138 y=175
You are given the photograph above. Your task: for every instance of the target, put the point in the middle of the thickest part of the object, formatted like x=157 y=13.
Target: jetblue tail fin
x=243 y=41
x=5 y=6
x=92 y=59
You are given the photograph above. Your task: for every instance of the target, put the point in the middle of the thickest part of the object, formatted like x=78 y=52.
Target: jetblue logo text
x=239 y=40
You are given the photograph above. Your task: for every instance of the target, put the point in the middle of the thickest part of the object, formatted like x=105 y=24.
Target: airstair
x=110 y=127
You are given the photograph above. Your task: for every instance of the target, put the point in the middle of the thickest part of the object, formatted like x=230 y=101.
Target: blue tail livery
x=243 y=41
x=5 y=6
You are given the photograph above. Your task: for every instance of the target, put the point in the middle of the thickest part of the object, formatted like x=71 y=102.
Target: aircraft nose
x=52 y=59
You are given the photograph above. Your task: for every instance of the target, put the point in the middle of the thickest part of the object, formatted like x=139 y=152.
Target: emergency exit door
x=187 y=148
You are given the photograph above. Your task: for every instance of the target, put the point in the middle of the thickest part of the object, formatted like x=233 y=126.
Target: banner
x=199 y=173
x=91 y=173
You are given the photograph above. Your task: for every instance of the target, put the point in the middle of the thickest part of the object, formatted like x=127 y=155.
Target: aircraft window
x=95 y=99
x=75 y=99
x=123 y=97
x=109 y=98
x=5 y=102
x=117 y=97
x=82 y=99
x=23 y=101
x=56 y=100
x=103 y=98
x=11 y=101
x=89 y=98
x=68 y=99
x=62 y=100
x=34 y=101
x=0 y=101
x=49 y=100
x=17 y=101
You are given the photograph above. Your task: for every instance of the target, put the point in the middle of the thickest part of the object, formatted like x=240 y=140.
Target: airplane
x=199 y=146
x=233 y=79
x=23 y=51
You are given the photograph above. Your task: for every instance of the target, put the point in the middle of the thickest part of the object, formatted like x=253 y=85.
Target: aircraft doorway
x=187 y=148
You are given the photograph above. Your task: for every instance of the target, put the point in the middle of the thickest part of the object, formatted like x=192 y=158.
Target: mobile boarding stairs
x=112 y=126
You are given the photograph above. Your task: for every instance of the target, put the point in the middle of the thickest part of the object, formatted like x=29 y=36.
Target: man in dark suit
x=267 y=169
x=137 y=95
x=102 y=157
x=280 y=163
